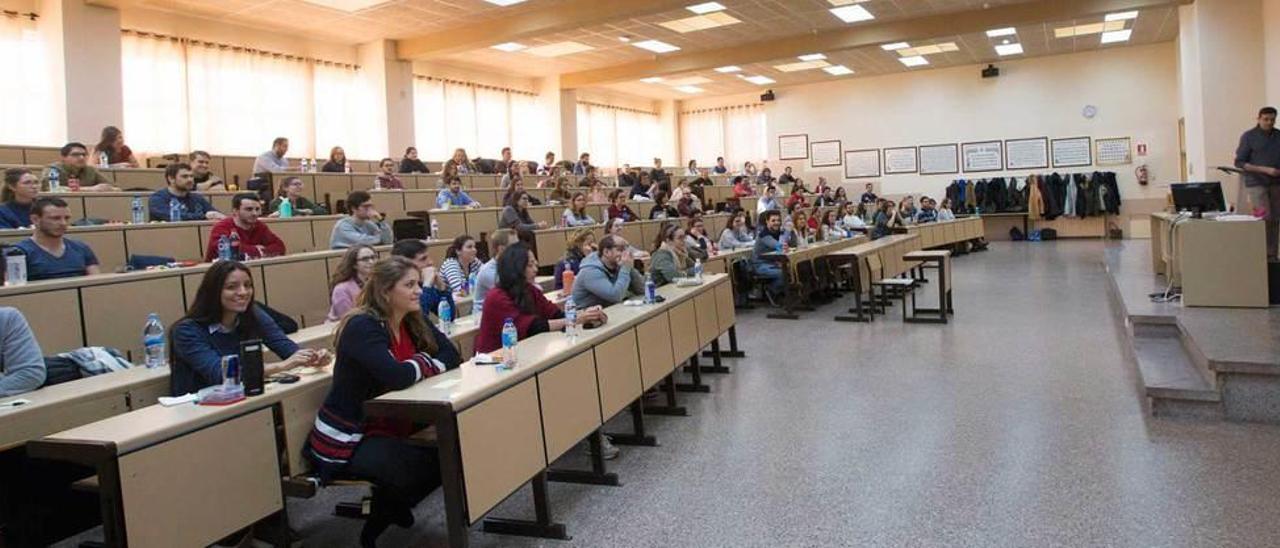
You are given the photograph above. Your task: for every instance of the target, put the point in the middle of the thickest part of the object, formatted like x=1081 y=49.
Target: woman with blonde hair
x=344 y=286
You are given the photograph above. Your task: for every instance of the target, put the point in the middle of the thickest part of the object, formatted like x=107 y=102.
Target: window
x=616 y=136
x=737 y=133
x=480 y=119
x=27 y=105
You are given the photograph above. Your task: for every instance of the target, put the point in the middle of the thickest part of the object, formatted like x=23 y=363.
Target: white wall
x=1134 y=88
x=1271 y=27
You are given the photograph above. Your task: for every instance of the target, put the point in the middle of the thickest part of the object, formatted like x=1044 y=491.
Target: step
x=1176 y=386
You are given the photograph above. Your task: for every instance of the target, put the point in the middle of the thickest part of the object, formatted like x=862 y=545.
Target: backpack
x=1016 y=234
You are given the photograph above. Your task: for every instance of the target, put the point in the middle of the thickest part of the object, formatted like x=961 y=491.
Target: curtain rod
x=615 y=107
x=715 y=109
x=232 y=47
x=473 y=84
x=28 y=15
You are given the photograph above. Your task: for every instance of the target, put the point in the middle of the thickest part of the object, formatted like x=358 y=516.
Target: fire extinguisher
x=1142 y=174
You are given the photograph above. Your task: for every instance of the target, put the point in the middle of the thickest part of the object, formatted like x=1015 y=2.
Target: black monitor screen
x=1198 y=197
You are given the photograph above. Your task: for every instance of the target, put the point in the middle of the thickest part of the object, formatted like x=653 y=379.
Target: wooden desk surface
x=69 y=404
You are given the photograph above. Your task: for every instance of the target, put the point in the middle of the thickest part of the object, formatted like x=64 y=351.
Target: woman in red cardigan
x=518 y=298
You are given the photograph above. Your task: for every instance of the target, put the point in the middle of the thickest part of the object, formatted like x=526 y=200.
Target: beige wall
x=1134 y=88
x=91 y=55
x=1271 y=15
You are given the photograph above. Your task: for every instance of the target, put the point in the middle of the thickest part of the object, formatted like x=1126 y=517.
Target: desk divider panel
x=419 y=200
x=634 y=235
x=299 y=289
x=139 y=178
x=502 y=446
x=618 y=373
x=322 y=231
x=238 y=166
x=52 y=419
x=180 y=241
x=296 y=236
x=657 y=360
x=551 y=246
x=54 y=318
x=114 y=314
x=482 y=222
x=111 y=208
x=649 y=234
x=684 y=331
x=547 y=214
x=299 y=415
x=951 y=234
x=708 y=321
x=488 y=197
x=40 y=156
x=107 y=245
x=390 y=203
x=570 y=400
x=162 y=496
x=336 y=185
x=725 y=310
x=11 y=155
x=451 y=222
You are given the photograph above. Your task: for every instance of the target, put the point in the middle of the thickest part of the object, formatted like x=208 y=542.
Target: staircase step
x=1167 y=371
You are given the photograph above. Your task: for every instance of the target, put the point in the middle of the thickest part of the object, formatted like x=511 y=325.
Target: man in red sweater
x=255 y=240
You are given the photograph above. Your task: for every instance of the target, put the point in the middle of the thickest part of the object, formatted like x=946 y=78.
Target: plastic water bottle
x=697 y=269
x=224 y=248
x=445 y=312
x=138 y=212
x=377 y=183
x=55 y=184
x=977 y=211
x=471 y=282
x=347 y=167
x=650 y=289
x=103 y=159
x=234 y=239
x=570 y=318
x=15 y=263
x=509 y=338
x=286 y=209
x=435 y=229
x=175 y=210
x=153 y=342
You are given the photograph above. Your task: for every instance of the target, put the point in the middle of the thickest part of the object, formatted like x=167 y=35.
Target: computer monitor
x=1198 y=197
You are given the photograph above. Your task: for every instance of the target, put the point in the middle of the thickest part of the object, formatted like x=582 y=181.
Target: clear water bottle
x=471 y=283
x=153 y=342
x=977 y=211
x=175 y=210
x=435 y=229
x=138 y=215
x=650 y=288
x=224 y=248
x=286 y=209
x=445 y=312
x=103 y=159
x=55 y=180
x=570 y=318
x=509 y=338
x=15 y=266
x=697 y=269
x=347 y=167
x=377 y=183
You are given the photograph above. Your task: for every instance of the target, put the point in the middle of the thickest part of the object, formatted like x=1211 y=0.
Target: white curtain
x=28 y=112
x=482 y=120
x=616 y=136
x=736 y=133
x=155 y=94
x=346 y=114
x=241 y=101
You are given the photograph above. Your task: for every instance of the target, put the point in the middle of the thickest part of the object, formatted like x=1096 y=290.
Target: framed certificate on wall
x=982 y=156
x=1030 y=153
x=939 y=159
x=1113 y=151
x=1071 y=152
x=824 y=154
x=793 y=147
x=861 y=163
x=900 y=160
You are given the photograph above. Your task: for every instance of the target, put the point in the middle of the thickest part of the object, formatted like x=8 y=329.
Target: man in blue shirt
x=181 y=187
x=49 y=254
x=454 y=196
x=584 y=164
x=273 y=161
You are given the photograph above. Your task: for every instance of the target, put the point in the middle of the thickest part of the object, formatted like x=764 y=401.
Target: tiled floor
x=1020 y=424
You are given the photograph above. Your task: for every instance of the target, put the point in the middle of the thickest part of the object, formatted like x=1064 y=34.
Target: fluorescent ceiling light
x=1086 y=29
x=689 y=89
x=760 y=80
x=895 y=45
x=729 y=69
x=1009 y=49
x=812 y=57
x=844 y=2
x=1007 y=31
x=914 y=61
x=504 y=2
x=705 y=8
x=852 y=14
x=1116 y=36
x=349 y=6
x=838 y=70
x=689 y=81
x=559 y=48
x=701 y=22
x=930 y=49
x=509 y=46
x=652 y=79
x=1121 y=16
x=803 y=65
x=656 y=46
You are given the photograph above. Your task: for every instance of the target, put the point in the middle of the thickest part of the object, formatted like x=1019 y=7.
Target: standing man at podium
x=1259 y=156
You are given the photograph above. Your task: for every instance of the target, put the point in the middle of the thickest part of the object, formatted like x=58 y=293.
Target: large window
x=28 y=112
x=616 y=136
x=481 y=119
x=737 y=133
x=181 y=95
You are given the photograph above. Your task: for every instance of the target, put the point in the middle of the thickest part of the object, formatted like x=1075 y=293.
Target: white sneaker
x=607 y=449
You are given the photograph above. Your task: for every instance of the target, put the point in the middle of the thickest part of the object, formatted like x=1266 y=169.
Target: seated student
x=720 y=168
x=511 y=172
x=49 y=254
x=786 y=177
x=886 y=217
x=384 y=344
x=869 y=197
x=627 y=176
x=504 y=164
x=74 y=170
x=202 y=173
x=293 y=190
x=518 y=298
x=660 y=208
x=737 y=235
x=830 y=226
x=742 y=187
x=703 y=179
x=458 y=164
x=852 y=217
x=769 y=240
x=560 y=194
x=273 y=161
x=697 y=243
x=841 y=195
x=689 y=204
x=796 y=198
x=597 y=194
x=670 y=256
x=826 y=198
x=488 y=275
x=386 y=177
x=576 y=214
x=363 y=226
x=799 y=225
x=944 y=212
x=822 y=187
x=657 y=174
x=907 y=210
x=112 y=144
x=926 y=213
x=582 y=244
x=411 y=164
x=434 y=288
x=192 y=206
x=20 y=190
x=21 y=364
x=614 y=227
x=223 y=315
x=768 y=202
x=641 y=190
x=549 y=166
x=583 y=167
x=516 y=214
x=618 y=208
x=255 y=239
x=460 y=263
x=607 y=276
x=348 y=279
x=454 y=196
x=517 y=185
x=765 y=177
x=337 y=161
x=692 y=169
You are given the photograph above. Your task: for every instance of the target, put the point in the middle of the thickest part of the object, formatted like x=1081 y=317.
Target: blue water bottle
x=570 y=318
x=509 y=338
x=54 y=184
x=650 y=289
x=224 y=248
x=138 y=210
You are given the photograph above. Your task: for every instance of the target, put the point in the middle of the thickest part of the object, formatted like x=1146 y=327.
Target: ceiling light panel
x=504 y=2
x=812 y=57
x=559 y=48
x=1116 y=36
x=802 y=65
x=729 y=69
x=760 y=80
x=1009 y=49
x=1122 y=16
x=701 y=22
x=690 y=81
x=509 y=46
x=931 y=49
x=1088 y=28
x=656 y=46
x=852 y=13
x=1007 y=31
x=652 y=79
x=895 y=46
x=689 y=89
x=705 y=8
x=914 y=61
x=838 y=70
x=349 y=6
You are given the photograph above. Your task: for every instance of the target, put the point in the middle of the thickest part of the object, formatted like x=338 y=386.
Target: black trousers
x=402 y=474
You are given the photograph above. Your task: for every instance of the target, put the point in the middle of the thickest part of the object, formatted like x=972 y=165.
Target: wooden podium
x=1217 y=263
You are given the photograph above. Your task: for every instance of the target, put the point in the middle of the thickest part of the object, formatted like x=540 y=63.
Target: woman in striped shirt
x=460 y=264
